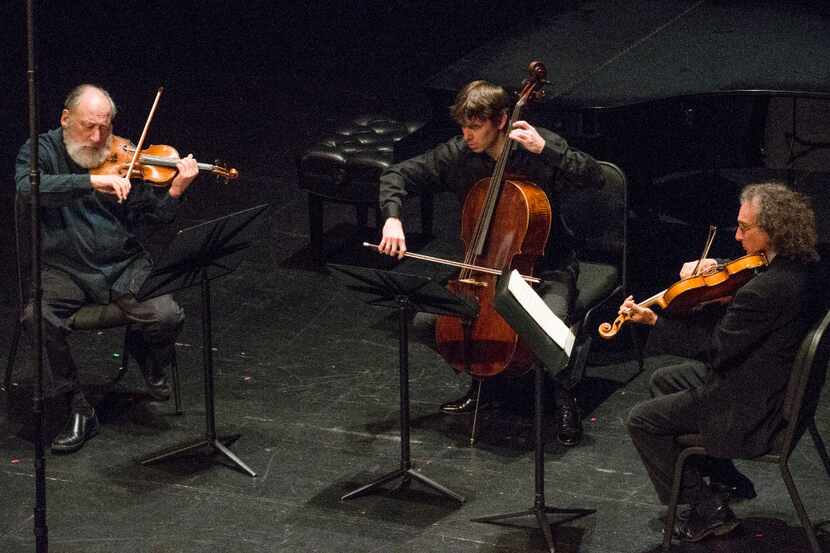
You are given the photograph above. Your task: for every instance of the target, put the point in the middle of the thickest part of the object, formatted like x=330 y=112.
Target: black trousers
x=155 y=325
x=673 y=410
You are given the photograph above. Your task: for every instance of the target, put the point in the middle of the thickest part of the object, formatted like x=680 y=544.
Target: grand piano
x=691 y=98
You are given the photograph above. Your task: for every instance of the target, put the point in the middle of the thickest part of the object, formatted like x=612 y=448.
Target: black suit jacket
x=750 y=355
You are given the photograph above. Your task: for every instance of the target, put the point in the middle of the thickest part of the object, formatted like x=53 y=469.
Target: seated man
x=91 y=253
x=482 y=111
x=733 y=393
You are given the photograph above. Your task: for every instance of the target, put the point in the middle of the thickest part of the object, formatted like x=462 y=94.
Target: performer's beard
x=87 y=157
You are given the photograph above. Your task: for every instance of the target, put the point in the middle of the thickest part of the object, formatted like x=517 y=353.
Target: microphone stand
x=40 y=530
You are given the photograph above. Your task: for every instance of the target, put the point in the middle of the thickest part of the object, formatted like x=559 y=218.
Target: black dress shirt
x=86 y=234
x=452 y=166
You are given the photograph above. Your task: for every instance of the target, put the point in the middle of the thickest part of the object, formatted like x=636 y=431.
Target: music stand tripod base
x=406 y=475
x=546 y=350
x=198 y=255
x=218 y=444
x=408 y=294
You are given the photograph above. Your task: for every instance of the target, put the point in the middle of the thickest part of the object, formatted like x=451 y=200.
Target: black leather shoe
x=467 y=402
x=157 y=385
x=716 y=520
x=79 y=428
x=734 y=487
x=568 y=424
x=154 y=377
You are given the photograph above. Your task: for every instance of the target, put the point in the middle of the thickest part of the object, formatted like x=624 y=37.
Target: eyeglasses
x=746 y=226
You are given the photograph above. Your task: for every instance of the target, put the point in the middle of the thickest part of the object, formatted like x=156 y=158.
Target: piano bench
x=345 y=166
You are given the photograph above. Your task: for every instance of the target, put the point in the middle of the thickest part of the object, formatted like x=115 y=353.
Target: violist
x=91 y=254
x=735 y=359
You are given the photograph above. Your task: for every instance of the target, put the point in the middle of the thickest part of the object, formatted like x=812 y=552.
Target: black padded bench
x=344 y=167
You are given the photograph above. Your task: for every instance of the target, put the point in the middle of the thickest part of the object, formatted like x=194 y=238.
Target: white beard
x=87 y=157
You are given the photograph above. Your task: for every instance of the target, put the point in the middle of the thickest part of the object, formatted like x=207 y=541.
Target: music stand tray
x=408 y=294
x=197 y=255
x=547 y=351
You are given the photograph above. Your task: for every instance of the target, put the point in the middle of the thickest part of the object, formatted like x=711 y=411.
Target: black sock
x=79 y=404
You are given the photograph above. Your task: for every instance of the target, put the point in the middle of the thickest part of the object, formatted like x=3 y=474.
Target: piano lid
x=611 y=53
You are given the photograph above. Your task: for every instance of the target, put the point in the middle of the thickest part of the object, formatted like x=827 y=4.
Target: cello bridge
x=473 y=282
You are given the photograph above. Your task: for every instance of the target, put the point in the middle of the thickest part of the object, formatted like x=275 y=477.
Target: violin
x=155 y=164
x=683 y=296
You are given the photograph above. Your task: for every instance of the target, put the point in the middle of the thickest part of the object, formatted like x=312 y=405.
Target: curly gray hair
x=787 y=217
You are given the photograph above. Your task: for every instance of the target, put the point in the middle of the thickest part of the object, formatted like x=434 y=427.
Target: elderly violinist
x=91 y=254
x=481 y=109
x=729 y=381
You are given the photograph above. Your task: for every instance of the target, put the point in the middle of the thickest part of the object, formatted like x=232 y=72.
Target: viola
x=683 y=296
x=155 y=164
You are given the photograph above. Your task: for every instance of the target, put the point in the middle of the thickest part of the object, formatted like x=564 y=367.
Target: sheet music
x=541 y=313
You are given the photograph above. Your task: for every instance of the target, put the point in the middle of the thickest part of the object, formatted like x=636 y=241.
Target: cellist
x=481 y=110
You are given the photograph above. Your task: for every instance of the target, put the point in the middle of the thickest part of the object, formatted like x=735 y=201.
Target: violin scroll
x=609 y=330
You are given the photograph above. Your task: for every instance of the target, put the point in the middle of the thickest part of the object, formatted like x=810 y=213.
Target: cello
x=505 y=223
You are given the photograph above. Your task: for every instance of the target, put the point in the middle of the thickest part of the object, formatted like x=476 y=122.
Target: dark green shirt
x=86 y=234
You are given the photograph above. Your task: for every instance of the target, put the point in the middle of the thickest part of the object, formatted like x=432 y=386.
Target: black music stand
x=408 y=294
x=547 y=350
x=198 y=255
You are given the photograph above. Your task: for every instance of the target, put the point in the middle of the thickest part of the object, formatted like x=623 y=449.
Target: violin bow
x=709 y=240
x=451 y=263
x=144 y=133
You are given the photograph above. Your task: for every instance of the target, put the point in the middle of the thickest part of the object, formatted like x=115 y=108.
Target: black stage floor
x=308 y=375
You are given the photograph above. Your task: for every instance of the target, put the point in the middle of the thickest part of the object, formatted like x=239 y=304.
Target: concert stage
x=305 y=371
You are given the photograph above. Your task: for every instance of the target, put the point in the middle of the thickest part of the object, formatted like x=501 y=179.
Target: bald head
x=89 y=94
x=87 y=124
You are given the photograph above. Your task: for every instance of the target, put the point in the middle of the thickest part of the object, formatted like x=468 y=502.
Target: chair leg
x=177 y=390
x=125 y=360
x=799 y=507
x=819 y=443
x=7 y=379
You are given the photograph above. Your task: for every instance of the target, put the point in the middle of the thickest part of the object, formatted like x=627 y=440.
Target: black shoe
x=154 y=377
x=79 y=428
x=733 y=488
x=568 y=424
x=467 y=402
x=715 y=520
x=157 y=385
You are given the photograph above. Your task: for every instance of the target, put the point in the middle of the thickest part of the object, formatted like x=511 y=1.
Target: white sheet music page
x=541 y=313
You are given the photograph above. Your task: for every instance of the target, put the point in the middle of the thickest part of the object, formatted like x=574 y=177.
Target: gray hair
x=74 y=97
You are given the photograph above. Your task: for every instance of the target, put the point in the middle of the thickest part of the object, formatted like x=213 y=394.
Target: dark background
x=305 y=371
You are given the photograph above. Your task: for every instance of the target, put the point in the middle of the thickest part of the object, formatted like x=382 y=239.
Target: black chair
x=90 y=317
x=599 y=220
x=802 y=396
